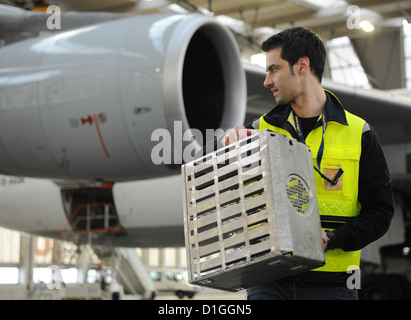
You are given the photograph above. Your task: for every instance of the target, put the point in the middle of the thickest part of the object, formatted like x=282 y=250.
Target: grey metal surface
x=97 y=102
x=251 y=213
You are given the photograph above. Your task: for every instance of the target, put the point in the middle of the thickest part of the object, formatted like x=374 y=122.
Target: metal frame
x=251 y=213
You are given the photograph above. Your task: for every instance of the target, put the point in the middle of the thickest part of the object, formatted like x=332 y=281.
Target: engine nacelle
x=84 y=103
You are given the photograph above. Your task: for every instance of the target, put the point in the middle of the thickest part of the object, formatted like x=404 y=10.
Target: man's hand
x=236 y=134
x=325 y=239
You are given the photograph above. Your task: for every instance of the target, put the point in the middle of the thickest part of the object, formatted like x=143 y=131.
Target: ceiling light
x=366 y=26
x=258 y=59
x=321 y=3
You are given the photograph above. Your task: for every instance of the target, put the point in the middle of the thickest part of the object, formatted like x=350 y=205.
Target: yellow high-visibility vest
x=337 y=203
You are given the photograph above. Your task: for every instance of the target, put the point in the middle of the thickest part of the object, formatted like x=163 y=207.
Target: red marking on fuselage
x=88 y=119
x=100 y=136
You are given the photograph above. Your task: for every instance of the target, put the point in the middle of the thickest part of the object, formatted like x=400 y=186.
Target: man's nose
x=268 y=82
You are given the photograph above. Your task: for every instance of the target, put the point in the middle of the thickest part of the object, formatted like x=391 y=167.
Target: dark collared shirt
x=278 y=116
x=374 y=186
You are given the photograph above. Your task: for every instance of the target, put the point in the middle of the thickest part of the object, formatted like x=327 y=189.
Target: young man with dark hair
x=351 y=175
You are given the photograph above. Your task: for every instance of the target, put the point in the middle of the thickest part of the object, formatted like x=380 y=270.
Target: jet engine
x=102 y=101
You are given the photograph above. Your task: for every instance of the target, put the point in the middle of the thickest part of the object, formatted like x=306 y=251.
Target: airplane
x=145 y=75
x=78 y=109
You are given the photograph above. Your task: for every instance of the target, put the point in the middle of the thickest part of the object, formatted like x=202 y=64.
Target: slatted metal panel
x=237 y=202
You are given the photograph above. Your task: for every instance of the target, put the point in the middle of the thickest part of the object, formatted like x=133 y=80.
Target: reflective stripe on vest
x=339 y=202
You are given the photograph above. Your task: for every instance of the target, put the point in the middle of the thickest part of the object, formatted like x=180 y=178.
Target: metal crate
x=251 y=213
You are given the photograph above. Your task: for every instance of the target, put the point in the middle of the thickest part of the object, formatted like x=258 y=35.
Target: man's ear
x=303 y=64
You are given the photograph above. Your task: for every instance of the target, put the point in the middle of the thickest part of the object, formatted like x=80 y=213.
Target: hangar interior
x=368 y=44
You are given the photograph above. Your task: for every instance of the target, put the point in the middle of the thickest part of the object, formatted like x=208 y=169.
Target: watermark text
x=54 y=20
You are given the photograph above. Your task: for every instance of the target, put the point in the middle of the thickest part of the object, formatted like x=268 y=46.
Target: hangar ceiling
x=381 y=52
x=329 y=18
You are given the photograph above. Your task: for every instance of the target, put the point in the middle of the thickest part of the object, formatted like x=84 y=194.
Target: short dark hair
x=297 y=42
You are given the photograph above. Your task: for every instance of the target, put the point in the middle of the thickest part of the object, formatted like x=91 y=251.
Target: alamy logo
x=183 y=147
x=354 y=17
x=170 y=149
x=54 y=21
x=55 y=281
x=354 y=280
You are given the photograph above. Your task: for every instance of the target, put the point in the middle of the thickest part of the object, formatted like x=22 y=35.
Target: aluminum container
x=251 y=213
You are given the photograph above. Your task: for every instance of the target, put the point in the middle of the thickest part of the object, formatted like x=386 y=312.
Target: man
x=352 y=179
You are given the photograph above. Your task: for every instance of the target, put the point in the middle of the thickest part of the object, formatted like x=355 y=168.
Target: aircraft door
x=91 y=210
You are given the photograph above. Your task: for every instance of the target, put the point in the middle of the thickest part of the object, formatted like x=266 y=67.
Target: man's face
x=280 y=79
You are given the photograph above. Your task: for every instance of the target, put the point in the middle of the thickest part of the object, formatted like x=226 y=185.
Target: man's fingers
x=242 y=133
x=236 y=134
x=231 y=137
x=252 y=131
x=325 y=239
